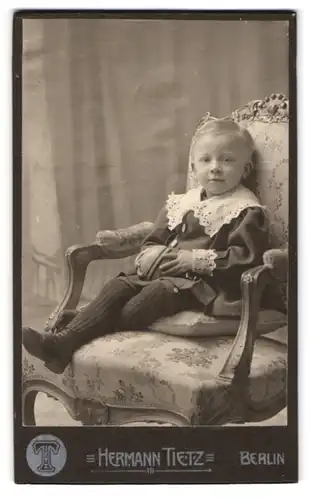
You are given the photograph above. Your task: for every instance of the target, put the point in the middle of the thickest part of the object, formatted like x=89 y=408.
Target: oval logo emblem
x=46 y=455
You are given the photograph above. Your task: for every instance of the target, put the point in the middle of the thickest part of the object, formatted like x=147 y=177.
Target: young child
x=201 y=243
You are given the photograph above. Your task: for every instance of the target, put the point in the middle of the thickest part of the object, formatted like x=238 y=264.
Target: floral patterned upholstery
x=272 y=175
x=162 y=371
x=195 y=324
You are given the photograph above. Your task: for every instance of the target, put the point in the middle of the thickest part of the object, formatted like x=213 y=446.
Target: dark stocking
x=153 y=302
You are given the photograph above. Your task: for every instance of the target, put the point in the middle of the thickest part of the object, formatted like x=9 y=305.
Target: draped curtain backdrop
x=109 y=108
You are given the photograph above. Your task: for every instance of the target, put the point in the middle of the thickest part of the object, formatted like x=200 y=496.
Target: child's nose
x=215 y=166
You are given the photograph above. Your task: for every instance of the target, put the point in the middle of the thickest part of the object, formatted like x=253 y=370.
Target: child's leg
x=97 y=319
x=153 y=302
x=103 y=312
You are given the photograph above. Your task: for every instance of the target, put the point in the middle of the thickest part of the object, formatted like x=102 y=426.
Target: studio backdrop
x=109 y=109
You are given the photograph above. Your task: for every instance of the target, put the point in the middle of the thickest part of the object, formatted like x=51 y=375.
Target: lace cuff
x=203 y=261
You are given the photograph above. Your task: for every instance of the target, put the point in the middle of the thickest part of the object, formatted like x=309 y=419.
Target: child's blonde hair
x=226 y=127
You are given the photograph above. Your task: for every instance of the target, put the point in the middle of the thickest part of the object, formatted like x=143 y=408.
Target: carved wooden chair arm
x=109 y=245
x=77 y=258
x=277 y=260
x=253 y=283
x=236 y=369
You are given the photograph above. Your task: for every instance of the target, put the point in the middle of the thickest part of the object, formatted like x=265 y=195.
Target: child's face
x=220 y=162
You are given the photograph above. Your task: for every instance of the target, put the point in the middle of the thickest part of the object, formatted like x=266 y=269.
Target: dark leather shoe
x=48 y=347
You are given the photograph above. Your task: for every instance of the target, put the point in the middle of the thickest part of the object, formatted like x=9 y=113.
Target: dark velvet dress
x=238 y=245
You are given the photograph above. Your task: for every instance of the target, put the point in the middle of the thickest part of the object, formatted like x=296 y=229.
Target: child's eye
x=206 y=159
x=227 y=159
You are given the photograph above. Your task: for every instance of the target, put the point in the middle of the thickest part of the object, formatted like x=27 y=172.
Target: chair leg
x=30 y=392
x=29 y=408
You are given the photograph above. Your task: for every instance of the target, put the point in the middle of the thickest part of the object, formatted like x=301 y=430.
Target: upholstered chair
x=188 y=369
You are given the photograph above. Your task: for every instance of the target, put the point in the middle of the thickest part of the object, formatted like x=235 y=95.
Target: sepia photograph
x=155 y=221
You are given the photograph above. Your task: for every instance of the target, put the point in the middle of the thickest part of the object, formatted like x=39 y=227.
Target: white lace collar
x=212 y=213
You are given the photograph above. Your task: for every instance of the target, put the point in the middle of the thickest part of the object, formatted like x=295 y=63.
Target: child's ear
x=192 y=166
x=247 y=170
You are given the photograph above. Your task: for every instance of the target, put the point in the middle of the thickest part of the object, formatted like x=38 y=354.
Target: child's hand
x=177 y=264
